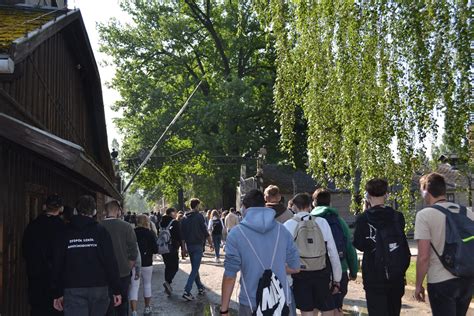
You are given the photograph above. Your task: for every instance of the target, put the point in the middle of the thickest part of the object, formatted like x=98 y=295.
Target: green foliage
x=170 y=46
x=367 y=75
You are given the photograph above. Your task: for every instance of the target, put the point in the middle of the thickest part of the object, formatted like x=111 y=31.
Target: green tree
x=170 y=46
x=369 y=74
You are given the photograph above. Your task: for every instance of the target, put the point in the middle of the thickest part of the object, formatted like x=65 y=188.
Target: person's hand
x=184 y=253
x=58 y=304
x=117 y=300
x=137 y=275
x=420 y=293
x=336 y=287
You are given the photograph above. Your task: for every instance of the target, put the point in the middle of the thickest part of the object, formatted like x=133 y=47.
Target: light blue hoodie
x=261 y=229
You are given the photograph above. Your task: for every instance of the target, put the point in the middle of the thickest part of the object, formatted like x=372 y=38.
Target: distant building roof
x=16 y=22
x=454 y=178
x=292 y=181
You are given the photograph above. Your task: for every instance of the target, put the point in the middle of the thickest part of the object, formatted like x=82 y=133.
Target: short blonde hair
x=143 y=221
x=272 y=190
x=214 y=213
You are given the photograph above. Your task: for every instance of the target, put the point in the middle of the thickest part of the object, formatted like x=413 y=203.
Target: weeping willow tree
x=370 y=78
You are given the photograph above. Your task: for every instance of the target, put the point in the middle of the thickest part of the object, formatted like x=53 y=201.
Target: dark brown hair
x=194 y=203
x=86 y=205
x=322 y=197
x=434 y=183
x=302 y=201
x=254 y=199
x=377 y=187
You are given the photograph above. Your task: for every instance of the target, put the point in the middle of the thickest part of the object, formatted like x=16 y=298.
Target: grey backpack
x=164 y=239
x=310 y=243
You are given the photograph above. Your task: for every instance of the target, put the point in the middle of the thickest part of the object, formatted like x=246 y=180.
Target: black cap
x=54 y=200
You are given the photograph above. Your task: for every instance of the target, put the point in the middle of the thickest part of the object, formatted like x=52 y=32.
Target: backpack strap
x=169 y=225
x=446 y=212
x=256 y=255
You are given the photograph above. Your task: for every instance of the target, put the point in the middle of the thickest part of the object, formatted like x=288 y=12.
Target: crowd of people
x=300 y=256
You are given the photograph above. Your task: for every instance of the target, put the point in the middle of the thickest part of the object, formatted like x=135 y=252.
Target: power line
x=155 y=147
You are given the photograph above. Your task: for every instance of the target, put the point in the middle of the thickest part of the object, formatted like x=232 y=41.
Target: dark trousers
x=171 y=261
x=122 y=309
x=41 y=298
x=385 y=300
x=44 y=310
x=451 y=297
x=92 y=301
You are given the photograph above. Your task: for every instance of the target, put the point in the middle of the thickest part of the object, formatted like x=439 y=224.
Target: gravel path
x=211 y=275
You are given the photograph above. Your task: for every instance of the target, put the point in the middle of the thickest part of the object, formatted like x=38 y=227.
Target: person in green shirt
x=343 y=239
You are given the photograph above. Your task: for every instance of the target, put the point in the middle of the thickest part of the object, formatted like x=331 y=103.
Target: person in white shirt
x=311 y=288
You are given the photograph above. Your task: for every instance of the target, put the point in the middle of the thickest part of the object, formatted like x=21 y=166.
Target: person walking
x=171 y=259
x=216 y=229
x=85 y=266
x=314 y=286
x=124 y=243
x=148 y=247
x=273 y=200
x=231 y=220
x=379 y=234
x=195 y=233
x=343 y=240
x=448 y=294
x=39 y=240
x=263 y=251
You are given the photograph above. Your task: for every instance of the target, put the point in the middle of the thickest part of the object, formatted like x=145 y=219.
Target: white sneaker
x=134 y=313
x=148 y=310
x=216 y=260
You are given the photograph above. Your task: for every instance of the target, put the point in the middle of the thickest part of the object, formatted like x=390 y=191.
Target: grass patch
x=411 y=273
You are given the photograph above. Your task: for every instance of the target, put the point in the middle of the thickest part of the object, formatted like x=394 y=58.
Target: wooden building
x=52 y=128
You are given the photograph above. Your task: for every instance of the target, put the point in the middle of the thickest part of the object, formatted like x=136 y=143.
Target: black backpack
x=338 y=233
x=458 y=253
x=392 y=253
x=216 y=227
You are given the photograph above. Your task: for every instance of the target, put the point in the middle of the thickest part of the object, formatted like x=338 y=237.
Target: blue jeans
x=216 y=240
x=195 y=255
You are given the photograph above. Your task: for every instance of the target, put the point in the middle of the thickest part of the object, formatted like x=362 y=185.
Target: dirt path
x=211 y=275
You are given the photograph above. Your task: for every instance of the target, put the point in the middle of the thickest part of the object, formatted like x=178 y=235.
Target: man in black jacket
x=85 y=265
x=383 y=291
x=38 y=249
x=195 y=234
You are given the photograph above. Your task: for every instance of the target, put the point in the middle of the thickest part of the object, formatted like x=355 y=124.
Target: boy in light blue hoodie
x=259 y=230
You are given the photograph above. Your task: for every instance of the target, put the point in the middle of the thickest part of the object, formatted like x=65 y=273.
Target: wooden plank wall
x=50 y=87
x=26 y=180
